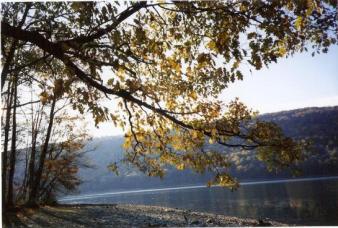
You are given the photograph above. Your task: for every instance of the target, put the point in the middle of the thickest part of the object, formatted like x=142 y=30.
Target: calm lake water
x=311 y=201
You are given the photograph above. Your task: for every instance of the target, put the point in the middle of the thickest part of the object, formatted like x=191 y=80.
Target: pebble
x=195 y=222
x=209 y=220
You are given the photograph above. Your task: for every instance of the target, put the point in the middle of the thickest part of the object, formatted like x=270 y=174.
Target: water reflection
x=306 y=203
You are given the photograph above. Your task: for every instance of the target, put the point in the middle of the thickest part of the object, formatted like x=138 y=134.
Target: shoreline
x=123 y=215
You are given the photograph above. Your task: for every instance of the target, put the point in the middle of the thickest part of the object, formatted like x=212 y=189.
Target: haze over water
x=306 y=201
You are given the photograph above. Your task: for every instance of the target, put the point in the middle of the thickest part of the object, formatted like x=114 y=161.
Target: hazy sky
x=295 y=82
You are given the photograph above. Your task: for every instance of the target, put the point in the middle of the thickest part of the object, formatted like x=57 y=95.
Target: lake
x=307 y=201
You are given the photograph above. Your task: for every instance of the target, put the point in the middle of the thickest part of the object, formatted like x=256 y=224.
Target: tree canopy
x=166 y=62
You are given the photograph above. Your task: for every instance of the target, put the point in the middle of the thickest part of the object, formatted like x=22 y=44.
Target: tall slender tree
x=12 y=160
x=35 y=187
x=6 y=140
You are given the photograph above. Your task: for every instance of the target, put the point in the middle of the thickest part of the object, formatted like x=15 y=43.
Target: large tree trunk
x=10 y=198
x=5 y=151
x=32 y=201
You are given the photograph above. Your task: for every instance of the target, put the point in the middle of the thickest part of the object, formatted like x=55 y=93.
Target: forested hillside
x=317 y=125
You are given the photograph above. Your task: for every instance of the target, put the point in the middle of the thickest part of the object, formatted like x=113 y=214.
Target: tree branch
x=123 y=16
x=24 y=104
x=10 y=56
x=57 y=50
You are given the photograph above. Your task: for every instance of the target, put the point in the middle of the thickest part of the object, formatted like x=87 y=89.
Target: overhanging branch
x=57 y=50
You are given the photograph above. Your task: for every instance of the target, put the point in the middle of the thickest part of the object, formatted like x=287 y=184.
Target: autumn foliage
x=162 y=65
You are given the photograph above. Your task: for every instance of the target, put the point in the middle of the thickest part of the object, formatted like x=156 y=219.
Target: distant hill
x=319 y=125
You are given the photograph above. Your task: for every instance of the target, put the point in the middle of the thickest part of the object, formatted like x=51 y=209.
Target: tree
x=12 y=160
x=168 y=62
x=44 y=157
x=8 y=100
x=49 y=162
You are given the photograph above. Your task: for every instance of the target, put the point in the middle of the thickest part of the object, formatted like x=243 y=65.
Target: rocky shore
x=124 y=215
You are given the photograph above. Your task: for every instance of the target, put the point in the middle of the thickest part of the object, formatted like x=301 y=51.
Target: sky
x=295 y=82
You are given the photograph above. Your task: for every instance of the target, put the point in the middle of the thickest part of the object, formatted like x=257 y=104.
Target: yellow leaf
x=194 y=134
x=193 y=95
x=212 y=46
x=281 y=49
x=120 y=73
x=127 y=143
x=211 y=141
x=43 y=97
x=299 y=23
x=180 y=166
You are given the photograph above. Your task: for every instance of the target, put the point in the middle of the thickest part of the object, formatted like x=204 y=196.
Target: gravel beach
x=122 y=215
